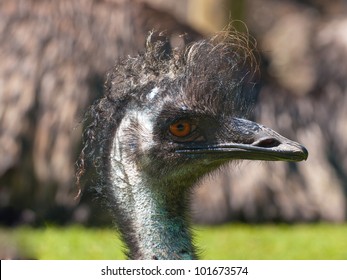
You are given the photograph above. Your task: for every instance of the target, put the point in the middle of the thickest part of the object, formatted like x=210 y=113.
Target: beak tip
x=304 y=152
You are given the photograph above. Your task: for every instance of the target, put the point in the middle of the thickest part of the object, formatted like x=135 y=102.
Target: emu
x=169 y=117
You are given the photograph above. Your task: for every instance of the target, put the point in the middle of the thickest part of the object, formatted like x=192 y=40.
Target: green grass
x=266 y=242
x=233 y=241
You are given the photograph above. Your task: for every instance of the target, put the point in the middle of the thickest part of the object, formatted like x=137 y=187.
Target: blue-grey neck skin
x=155 y=216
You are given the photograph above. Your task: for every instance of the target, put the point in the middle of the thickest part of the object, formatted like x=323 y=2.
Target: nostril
x=267 y=143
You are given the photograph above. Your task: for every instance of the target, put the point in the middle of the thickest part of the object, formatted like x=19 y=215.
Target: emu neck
x=151 y=216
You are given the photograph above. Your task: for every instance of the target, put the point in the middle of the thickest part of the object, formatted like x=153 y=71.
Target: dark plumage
x=168 y=118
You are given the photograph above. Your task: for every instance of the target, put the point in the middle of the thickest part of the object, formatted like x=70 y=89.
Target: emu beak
x=252 y=141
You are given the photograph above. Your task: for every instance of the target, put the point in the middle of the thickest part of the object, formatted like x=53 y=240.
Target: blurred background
x=53 y=59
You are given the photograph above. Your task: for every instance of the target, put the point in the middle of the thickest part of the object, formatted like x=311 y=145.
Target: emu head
x=169 y=117
x=183 y=111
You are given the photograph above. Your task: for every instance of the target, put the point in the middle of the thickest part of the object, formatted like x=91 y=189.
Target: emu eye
x=181 y=128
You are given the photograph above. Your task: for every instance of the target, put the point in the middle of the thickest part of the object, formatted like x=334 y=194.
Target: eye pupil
x=180 y=127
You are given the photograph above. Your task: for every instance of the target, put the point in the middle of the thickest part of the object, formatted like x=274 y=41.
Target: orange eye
x=180 y=128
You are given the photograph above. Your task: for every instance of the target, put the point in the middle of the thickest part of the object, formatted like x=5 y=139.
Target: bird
x=169 y=117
